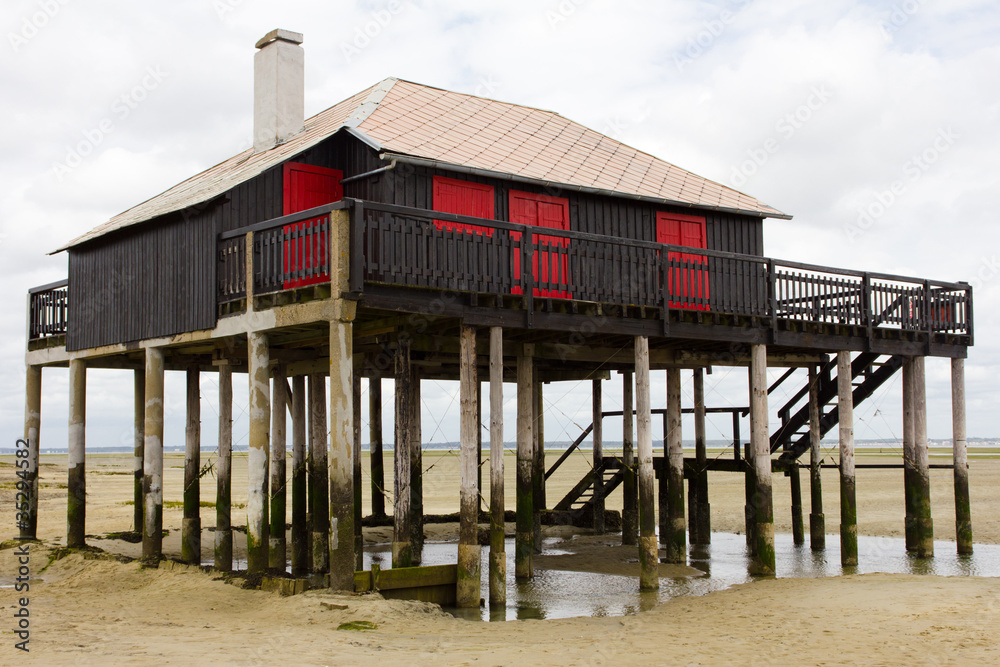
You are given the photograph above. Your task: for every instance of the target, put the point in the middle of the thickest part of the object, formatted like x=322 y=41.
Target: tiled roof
x=469 y=132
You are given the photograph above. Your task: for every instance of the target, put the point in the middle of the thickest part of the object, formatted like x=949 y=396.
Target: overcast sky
x=873 y=123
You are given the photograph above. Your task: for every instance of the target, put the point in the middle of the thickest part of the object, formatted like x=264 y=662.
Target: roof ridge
x=370 y=103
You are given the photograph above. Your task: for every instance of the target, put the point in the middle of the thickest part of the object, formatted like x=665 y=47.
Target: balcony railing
x=48 y=309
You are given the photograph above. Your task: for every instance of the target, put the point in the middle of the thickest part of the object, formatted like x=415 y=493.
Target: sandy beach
x=95 y=609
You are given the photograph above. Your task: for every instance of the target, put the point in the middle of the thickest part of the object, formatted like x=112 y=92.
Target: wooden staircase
x=581 y=496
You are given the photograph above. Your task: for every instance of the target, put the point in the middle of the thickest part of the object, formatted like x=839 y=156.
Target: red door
x=463 y=198
x=685 y=282
x=307 y=187
x=551 y=257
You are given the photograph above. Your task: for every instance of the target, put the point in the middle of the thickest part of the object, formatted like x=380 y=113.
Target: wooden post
x=277 y=547
x=258 y=452
x=76 y=505
x=139 y=420
x=925 y=525
x=300 y=504
x=152 y=463
x=191 y=524
x=676 y=543
x=416 y=468
x=341 y=460
x=649 y=562
x=963 y=507
x=537 y=463
x=28 y=522
x=703 y=519
x=760 y=444
x=598 y=462
x=630 y=502
x=911 y=484
x=402 y=534
x=798 y=527
x=359 y=538
x=469 y=578
x=375 y=445
x=223 y=498
x=817 y=520
x=524 y=540
x=318 y=476
x=848 y=499
x=498 y=557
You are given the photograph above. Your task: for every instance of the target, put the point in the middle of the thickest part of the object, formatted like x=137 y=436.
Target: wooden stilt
x=598 y=461
x=630 y=502
x=760 y=443
x=375 y=445
x=911 y=483
x=649 y=576
x=498 y=557
x=416 y=468
x=258 y=452
x=28 y=521
x=300 y=502
x=537 y=464
x=318 y=476
x=479 y=441
x=359 y=539
x=848 y=499
x=191 y=524
x=676 y=542
x=925 y=525
x=152 y=466
x=963 y=507
x=817 y=520
x=223 y=498
x=469 y=577
x=525 y=539
x=139 y=418
x=76 y=506
x=341 y=461
x=277 y=511
x=703 y=518
x=798 y=527
x=402 y=535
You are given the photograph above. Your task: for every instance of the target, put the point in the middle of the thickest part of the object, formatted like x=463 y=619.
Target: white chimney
x=278 y=89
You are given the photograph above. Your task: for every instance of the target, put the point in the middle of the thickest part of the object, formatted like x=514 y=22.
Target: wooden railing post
x=866 y=306
x=772 y=294
x=248 y=276
x=528 y=273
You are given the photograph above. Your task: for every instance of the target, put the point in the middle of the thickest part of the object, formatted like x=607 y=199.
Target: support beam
x=649 y=565
x=152 y=463
x=525 y=538
x=676 y=538
x=359 y=537
x=817 y=520
x=798 y=527
x=375 y=445
x=277 y=547
x=963 y=507
x=469 y=577
x=76 y=505
x=28 y=517
x=319 y=482
x=702 y=517
x=258 y=452
x=191 y=524
x=300 y=502
x=498 y=557
x=848 y=498
x=341 y=475
x=911 y=484
x=925 y=525
x=224 y=494
x=537 y=461
x=630 y=502
x=402 y=534
x=763 y=559
x=139 y=424
x=416 y=468
x=598 y=460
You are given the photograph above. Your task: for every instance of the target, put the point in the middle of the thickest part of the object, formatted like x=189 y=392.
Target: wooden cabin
x=413 y=232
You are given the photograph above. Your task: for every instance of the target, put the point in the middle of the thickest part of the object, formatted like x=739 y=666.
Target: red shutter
x=463 y=198
x=685 y=282
x=551 y=265
x=305 y=187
